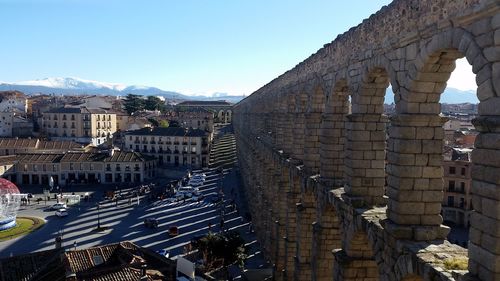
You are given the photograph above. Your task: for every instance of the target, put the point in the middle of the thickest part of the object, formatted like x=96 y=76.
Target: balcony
x=193 y=143
x=176 y=143
x=160 y=142
x=184 y=143
x=168 y=143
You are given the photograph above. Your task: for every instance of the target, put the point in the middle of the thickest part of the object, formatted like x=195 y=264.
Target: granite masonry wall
x=338 y=190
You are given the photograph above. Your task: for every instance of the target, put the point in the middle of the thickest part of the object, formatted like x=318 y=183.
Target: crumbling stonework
x=334 y=195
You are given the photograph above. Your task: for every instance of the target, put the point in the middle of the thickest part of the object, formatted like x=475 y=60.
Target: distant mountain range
x=80 y=86
x=77 y=86
x=450 y=95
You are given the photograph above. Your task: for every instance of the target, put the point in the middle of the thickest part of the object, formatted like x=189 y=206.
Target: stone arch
x=366 y=137
x=356 y=259
x=326 y=236
x=305 y=216
x=432 y=68
x=315 y=90
x=333 y=135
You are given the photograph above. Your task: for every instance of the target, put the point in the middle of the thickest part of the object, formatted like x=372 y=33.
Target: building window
x=35 y=167
x=451 y=185
x=452 y=170
x=463 y=172
x=450 y=201
x=71 y=166
x=91 y=166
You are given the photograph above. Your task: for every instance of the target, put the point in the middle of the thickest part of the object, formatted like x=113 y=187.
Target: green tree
x=221 y=249
x=153 y=103
x=163 y=124
x=133 y=103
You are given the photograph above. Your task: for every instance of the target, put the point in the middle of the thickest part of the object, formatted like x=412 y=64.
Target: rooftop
x=170 y=131
x=79 y=110
x=204 y=103
x=121 y=261
x=17 y=143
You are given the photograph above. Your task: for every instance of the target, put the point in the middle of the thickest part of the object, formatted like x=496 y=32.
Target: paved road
x=125 y=220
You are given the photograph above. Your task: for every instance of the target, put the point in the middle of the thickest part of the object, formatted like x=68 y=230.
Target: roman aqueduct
x=334 y=196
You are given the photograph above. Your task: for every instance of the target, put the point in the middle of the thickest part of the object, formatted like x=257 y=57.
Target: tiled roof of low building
x=17 y=143
x=58 y=145
x=79 y=110
x=113 y=262
x=127 y=156
x=40 y=157
x=204 y=103
x=8 y=159
x=26 y=267
x=118 y=156
x=83 y=157
x=170 y=131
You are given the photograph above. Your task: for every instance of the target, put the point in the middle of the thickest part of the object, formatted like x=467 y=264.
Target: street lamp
x=98 y=218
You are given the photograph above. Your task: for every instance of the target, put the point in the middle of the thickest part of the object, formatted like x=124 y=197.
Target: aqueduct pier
x=338 y=190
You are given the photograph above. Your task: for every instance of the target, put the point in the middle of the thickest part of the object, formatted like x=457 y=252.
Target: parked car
x=163 y=253
x=202 y=175
x=196 y=182
x=151 y=222
x=58 y=206
x=173 y=230
x=62 y=213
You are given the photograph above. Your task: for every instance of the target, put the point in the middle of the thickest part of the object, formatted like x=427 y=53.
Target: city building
x=457 y=204
x=173 y=145
x=13 y=101
x=109 y=167
x=123 y=261
x=193 y=117
x=6 y=123
x=82 y=125
x=222 y=110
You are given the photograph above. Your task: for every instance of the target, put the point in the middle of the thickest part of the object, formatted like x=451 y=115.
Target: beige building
x=193 y=117
x=82 y=167
x=174 y=146
x=82 y=125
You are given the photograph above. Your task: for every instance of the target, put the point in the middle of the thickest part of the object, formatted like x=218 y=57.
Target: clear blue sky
x=191 y=46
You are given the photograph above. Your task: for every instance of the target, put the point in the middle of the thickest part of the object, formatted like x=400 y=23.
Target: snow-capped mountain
x=70 y=83
x=73 y=85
